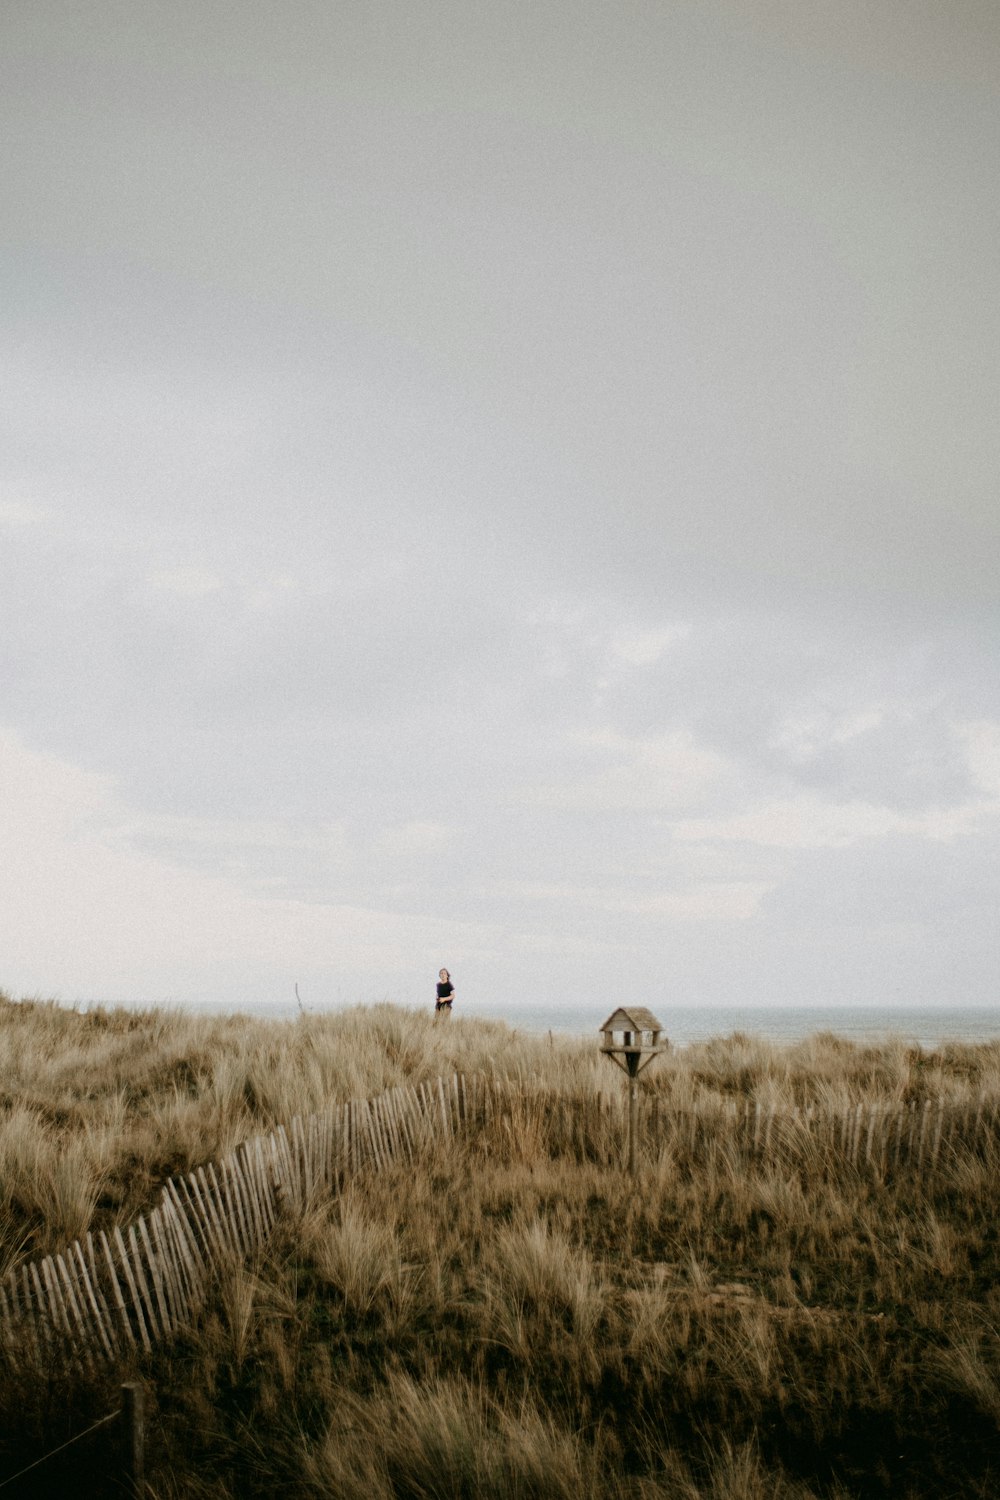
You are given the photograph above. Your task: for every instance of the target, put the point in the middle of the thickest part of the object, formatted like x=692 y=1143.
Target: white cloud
x=655 y=774
x=561 y=945
x=190 y=582
x=700 y=901
x=569 y=632
x=803 y=736
x=272 y=592
x=414 y=838
x=17 y=513
x=808 y=822
x=710 y=901
x=982 y=750
x=561 y=631
x=99 y=919
x=243 y=591
x=171 y=831
x=644 y=648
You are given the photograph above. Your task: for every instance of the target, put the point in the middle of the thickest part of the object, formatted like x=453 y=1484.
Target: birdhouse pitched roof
x=636 y=1018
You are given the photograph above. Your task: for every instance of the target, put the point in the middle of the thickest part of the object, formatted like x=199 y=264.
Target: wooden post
x=133 y=1440
x=633 y=1124
x=631 y=1040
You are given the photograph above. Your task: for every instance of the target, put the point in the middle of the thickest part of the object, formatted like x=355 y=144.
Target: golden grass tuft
x=510 y=1315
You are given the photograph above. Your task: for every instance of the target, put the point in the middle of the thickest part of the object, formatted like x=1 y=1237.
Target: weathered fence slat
x=56 y=1298
x=223 y=1198
x=239 y=1184
x=47 y=1323
x=69 y=1281
x=187 y=1239
x=405 y=1130
x=164 y=1227
x=166 y=1256
x=133 y=1288
x=389 y=1126
x=371 y=1129
x=143 y=1284
x=179 y=1234
x=101 y=1301
x=262 y=1182
x=200 y=1215
x=116 y=1290
x=296 y=1158
x=155 y=1265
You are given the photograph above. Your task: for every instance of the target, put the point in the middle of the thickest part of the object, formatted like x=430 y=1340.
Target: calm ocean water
x=685 y=1024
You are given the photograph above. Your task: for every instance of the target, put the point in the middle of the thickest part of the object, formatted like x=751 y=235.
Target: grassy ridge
x=508 y=1321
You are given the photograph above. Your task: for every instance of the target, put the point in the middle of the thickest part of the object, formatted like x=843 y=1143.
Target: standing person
x=445 y=994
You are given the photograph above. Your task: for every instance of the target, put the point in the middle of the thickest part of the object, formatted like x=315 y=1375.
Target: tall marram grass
x=505 y=1319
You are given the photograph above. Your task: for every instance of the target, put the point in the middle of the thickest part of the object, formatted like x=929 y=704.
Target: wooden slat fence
x=882 y=1137
x=115 y=1292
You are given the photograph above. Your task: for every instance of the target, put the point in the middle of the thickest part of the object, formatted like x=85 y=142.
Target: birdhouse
x=632 y=1038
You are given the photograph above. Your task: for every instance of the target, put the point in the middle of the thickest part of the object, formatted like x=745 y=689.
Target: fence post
x=133 y=1440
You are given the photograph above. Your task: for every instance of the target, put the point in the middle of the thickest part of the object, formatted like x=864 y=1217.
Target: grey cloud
x=372 y=377
x=893 y=881
x=685 y=354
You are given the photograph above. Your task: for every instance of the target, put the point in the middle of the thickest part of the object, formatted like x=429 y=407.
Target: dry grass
x=509 y=1317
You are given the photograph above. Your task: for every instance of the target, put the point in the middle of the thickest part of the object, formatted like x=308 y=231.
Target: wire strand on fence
x=102 y=1422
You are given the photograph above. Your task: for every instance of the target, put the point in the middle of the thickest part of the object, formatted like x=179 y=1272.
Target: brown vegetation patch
x=513 y=1316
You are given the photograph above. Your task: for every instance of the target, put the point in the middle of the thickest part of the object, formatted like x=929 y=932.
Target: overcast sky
x=510 y=486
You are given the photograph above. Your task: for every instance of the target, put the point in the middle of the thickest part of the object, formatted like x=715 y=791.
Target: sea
x=683 y=1025
x=787 y=1024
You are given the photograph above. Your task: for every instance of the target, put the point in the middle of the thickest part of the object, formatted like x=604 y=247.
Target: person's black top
x=445 y=990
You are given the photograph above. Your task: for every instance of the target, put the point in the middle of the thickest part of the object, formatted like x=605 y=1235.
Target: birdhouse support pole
x=633 y=1125
x=640 y=1034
